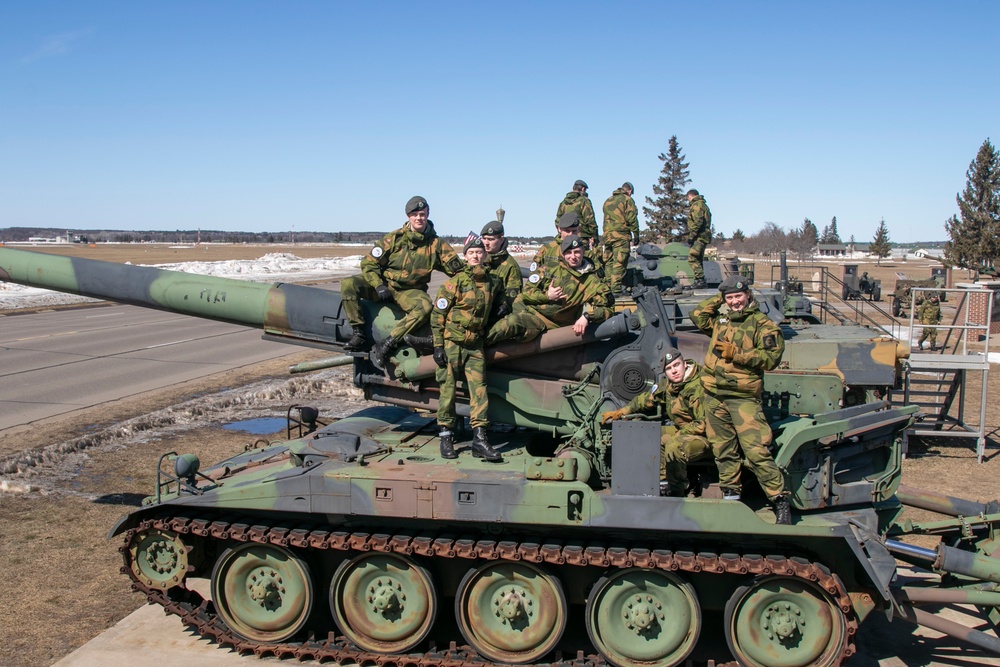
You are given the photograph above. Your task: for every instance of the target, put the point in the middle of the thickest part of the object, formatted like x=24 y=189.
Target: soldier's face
x=737 y=301
x=492 y=242
x=675 y=370
x=475 y=256
x=418 y=220
x=563 y=233
x=574 y=257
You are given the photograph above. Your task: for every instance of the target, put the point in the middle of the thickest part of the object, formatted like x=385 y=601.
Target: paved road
x=61 y=361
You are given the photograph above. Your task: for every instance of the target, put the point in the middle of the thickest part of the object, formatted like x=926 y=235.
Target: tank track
x=198 y=613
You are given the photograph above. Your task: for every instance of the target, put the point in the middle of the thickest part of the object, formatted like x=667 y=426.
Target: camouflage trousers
x=468 y=363
x=696 y=258
x=676 y=451
x=734 y=424
x=615 y=259
x=416 y=303
x=521 y=326
x=929 y=334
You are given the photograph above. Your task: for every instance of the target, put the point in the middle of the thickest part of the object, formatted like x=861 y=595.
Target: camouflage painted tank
x=357 y=542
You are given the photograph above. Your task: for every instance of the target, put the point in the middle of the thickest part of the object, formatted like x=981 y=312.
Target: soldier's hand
x=580 y=326
x=439 y=357
x=383 y=292
x=555 y=293
x=726 y=350
x=613 y=415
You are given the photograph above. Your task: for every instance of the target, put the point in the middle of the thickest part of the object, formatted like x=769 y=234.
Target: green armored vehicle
x=356 y=542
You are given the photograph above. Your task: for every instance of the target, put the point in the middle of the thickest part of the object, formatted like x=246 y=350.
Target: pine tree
x=974 y=242
x=880 y=246
x=667 y=212
x=738 y=235
x=830 y=234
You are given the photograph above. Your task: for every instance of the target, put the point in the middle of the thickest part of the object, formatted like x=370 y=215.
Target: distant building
x=831 y=250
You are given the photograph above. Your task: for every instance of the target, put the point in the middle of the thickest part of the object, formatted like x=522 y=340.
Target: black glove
x=383 y=293
x=501 y=310
x=635 y=239
x=439 y=357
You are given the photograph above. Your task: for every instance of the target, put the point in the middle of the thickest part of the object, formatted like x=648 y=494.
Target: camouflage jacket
x=929 y=313
x=682 y=403
x=699 y=221
x=507 y=272
x=549 y=256
x=404 y=259
x=757 y=338
x=585 y=294
x=463 y=305
x=579 y=202
x=621 y=218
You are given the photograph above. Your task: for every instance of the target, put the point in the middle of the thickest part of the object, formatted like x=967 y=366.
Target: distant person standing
x=621 y=226
x=699 y=235
x=929 y=313
x=577 y=200
x=745 y=343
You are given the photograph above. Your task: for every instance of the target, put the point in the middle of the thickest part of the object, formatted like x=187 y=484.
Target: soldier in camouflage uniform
x=621 y=225
x=502 y=266
x=571 y=294
x=458 y=324
x=745 y=343
x=398 y=269
x=549 y=256
x=577 y=200
x=699 y=235
x=681 y=401
x=929 y=313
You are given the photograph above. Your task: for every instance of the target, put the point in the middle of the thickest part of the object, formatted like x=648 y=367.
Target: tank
x=355 y=541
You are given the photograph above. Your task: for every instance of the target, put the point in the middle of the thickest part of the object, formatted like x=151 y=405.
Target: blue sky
x=265 y=116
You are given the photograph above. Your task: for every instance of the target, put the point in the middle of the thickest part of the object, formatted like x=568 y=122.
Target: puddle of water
x=262 y=426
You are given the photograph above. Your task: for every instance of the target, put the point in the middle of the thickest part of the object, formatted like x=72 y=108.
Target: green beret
x=670 y=354
x=734 y=284
x=415 y=204
x=474 y=243
x=492 y=228
x=581 y=184
x=569 y=219
x=570 y=242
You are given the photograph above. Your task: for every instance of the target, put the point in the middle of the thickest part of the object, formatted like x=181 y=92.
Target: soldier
x=621 y=224
x=745 y=343
x=681 y=400
x=503 y=267
x=577 y=200
x=549 y=255
x=699 y=235
x=571 y=294
x=398 y=269
x=929 y=313
x=458 y=324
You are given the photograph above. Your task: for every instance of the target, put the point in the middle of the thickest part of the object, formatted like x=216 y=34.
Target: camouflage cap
x=415 y=204
x=570 y=242
x=670 y=354
x=569 y=219
x=734 y=284
x=492 y=228
x=473 y=243
x=581 y=184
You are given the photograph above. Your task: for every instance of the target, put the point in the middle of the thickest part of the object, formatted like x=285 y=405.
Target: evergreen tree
x=667 y=212
x=974 y=242
x=830 y=234
x=880 y=246
x=738 y=235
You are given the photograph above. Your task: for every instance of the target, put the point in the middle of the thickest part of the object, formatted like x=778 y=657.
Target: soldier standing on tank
x=503 y=267
x=570 y=294
x=681 y=400
x=699 y=235
x=745 y=343
x=621 y=225
x=458 y=324
x=398 y=270
x=577 y=200
x=929 y=313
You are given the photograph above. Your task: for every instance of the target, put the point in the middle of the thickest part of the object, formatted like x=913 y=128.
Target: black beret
x=571 y=241
x=670 y=354
x=569 y=219
x=415 y=204
x=492 y=228
x=474 y=243
x=628 y=185
x=581 y=184
x=734 y=284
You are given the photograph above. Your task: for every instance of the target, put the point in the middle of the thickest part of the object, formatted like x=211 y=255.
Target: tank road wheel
x=263 y=592
x=783 y=622
x=643 y=617
x=158 y=559
x=511 y=612
x=383 y=602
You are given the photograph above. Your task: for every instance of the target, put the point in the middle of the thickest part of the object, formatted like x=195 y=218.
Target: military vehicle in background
x=356 y=542
x=860 y=287
x=902 y=295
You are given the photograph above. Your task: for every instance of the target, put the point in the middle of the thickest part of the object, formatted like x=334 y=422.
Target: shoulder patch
x=770 y=342
x=534 y=278
x=376 y=252
x=442 y=303
x=533 y=266
x=455 y=264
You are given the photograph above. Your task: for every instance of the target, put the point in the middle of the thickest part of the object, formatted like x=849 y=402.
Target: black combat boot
x=447 y=445
x=382 y=351
x=481 y=448
x=422 y=344
x=699 y=284
x=358 y=342
x=782 y=511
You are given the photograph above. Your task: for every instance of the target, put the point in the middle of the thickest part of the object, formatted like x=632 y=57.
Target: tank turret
x=358 y=542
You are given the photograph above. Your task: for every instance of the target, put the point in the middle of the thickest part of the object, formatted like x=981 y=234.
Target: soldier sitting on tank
x=501 y=265
x=681 y=401
x=549 y=255
x=458 y=324
x=745 y=343
x=929 y=313
x=621 y=225
x=570 y=294
x=577 y=200
x=398 y=269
